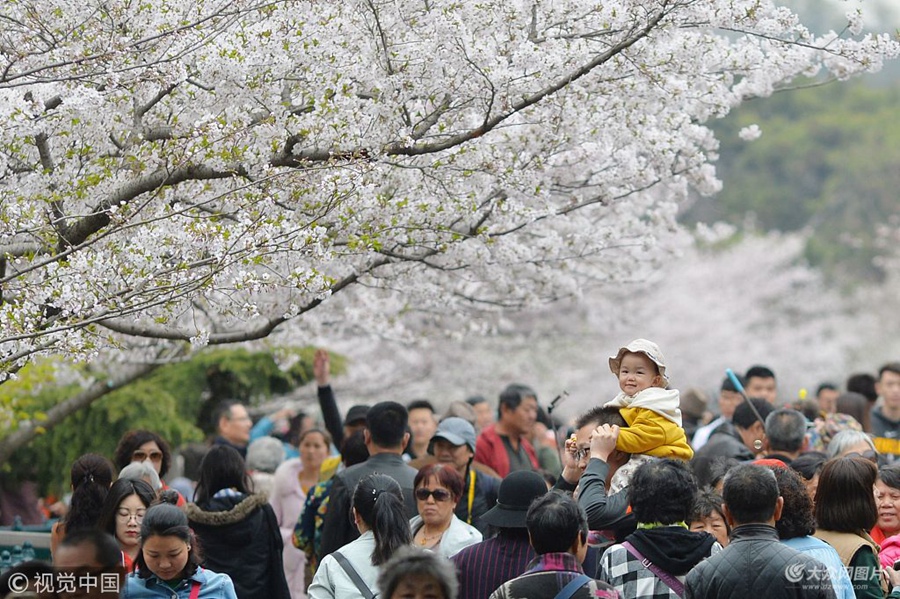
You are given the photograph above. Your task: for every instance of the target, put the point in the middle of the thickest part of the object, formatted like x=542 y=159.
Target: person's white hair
x=846 y=439
x=142 y=471
x=265 y=454
x=414 y=564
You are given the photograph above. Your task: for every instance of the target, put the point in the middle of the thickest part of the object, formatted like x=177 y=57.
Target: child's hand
x=571 y=473
x=603 y=441
x=569 y=460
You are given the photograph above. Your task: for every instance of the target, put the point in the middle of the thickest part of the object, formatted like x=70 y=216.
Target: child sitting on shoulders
x=648 y=406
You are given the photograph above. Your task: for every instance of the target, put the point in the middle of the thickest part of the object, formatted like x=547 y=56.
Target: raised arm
x=331 y=416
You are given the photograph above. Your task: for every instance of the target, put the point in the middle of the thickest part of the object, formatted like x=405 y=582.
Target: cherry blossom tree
x=217 y=172
x=728 y=302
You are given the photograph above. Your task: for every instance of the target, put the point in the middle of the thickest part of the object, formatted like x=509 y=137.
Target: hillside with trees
x=826 y=162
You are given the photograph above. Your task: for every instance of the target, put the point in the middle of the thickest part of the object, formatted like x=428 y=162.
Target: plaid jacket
x=546 y=575
x=629 y=576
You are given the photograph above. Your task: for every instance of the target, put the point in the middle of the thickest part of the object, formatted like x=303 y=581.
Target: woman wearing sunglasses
x=438 y=488
x=146 y=446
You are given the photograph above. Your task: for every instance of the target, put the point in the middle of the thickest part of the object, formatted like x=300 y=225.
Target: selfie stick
x=737 y=385
x=558 y=399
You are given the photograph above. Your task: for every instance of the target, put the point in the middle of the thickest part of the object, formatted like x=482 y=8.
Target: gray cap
x=456 y=431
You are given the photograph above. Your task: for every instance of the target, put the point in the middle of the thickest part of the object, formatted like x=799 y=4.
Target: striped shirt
x=485 y=566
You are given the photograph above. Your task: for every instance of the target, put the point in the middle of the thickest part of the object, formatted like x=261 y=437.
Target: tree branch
x=402 y=149
x=288 y=158
x=29 y=429
x=19 y=249
x=429 y=121
x=79 y=232
x=261 y=331
x=140 y=111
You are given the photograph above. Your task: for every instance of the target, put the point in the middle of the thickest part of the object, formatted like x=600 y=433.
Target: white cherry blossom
x=208 y=173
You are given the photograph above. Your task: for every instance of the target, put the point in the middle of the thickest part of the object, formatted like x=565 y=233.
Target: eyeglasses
x=580 y=454
x=141 y=455
x=125 y=516
x=439 y=494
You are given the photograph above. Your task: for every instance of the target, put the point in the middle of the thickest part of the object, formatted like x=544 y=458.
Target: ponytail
x=391 y=527
x=378 y=500
x=91 y=476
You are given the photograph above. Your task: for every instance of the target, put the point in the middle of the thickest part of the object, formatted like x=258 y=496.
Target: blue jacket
x=212 y=586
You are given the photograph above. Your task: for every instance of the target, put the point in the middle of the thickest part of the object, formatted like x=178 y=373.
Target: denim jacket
x=212 y=586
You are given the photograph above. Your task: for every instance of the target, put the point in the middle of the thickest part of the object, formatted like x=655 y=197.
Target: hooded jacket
x=654 y=424
x=673 y=549
x=239 y=536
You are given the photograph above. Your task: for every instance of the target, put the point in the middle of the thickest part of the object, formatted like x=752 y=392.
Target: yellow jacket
x=653 y=434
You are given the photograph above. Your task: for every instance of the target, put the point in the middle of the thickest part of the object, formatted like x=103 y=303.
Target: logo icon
x=795 y=572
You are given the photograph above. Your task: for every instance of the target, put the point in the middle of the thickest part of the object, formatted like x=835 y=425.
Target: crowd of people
x=647 y=495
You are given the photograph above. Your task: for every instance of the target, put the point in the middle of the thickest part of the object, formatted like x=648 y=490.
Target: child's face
x=714 y=524
x=636 y=373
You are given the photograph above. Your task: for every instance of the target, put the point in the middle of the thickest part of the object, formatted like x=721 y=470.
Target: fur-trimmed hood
x=239 y=512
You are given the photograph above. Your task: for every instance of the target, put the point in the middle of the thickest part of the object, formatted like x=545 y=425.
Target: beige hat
x=640 y=346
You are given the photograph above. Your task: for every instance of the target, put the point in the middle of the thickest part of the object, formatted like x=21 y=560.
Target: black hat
x=356 y=413
x=516 y=493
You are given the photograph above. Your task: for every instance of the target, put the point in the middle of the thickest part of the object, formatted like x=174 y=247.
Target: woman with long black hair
x=352 y=571
x=236 y=527
x=91 y=476
x=122 y=514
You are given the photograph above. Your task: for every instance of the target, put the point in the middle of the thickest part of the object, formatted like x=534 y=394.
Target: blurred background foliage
x=175 y=401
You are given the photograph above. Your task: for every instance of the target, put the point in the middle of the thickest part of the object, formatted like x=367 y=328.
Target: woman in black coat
x=237 y=529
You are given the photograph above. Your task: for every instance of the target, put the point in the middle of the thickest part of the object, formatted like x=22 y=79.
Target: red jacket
x=490 y=451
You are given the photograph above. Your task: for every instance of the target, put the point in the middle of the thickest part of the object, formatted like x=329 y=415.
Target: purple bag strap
x=670 y=581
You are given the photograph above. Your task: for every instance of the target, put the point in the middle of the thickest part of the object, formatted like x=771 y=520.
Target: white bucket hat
x=640 y=346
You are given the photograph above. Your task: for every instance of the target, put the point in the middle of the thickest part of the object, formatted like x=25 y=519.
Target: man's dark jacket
x=604 y=511
x=338 y=529
x=757 y=565
x=719 y=446
x=484 y=498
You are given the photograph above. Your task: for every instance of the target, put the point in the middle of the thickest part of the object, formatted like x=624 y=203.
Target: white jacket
x=332 y=582
x=456 y=538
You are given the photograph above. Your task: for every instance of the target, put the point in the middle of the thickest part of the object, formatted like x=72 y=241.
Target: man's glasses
x=581 y=454
x=141 y=455
x=125 y=515
x=439 y=494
